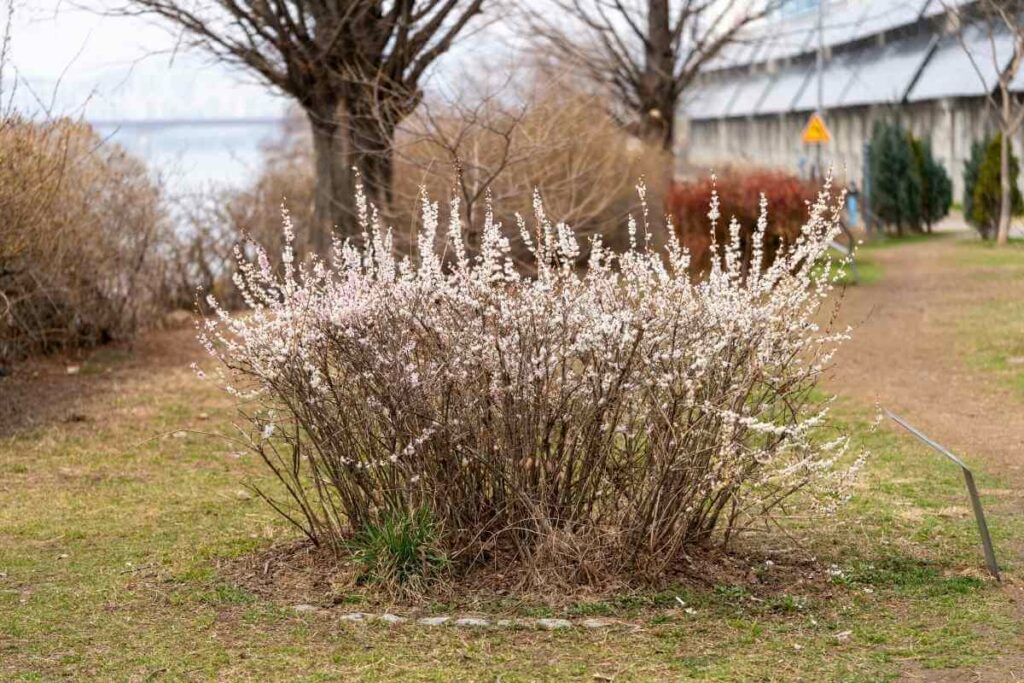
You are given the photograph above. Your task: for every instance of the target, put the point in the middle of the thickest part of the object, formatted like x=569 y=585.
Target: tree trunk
x=658 y=112
x=657 y=125
x=1005 y=196
x=372 y=141
x=334 y=203
x=657 y=120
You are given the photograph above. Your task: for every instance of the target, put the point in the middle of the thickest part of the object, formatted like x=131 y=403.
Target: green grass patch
x=868 y=271
x=400 y=551
x=992 y=330
x=885 y=241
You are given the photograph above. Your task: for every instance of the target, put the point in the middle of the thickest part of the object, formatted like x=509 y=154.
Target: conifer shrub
x=936 y=185
x=896 y=185
x=970 y=175
x=986 y=194
x=570 y=424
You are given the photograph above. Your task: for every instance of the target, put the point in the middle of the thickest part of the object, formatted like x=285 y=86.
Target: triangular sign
x=816 y=131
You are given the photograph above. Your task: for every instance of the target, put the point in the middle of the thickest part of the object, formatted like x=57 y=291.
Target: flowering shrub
x=586 y=422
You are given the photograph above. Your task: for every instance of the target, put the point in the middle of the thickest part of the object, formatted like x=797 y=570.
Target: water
x=192 y=155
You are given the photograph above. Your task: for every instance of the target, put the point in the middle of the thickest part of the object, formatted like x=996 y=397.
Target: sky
x=70 y=60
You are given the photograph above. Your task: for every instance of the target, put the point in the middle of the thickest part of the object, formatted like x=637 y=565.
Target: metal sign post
x=972 y=491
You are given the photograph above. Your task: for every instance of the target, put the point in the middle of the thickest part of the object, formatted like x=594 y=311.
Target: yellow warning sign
x=816 y=131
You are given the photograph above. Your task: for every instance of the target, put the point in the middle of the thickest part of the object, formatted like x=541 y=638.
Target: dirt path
x=77 y=387
x=906 y=354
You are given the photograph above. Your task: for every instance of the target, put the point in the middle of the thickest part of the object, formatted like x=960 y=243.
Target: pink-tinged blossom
x=611 y=399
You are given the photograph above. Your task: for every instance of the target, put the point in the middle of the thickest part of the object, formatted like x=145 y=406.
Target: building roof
x=952 y=73
x=783 y=89
x=911 y=64
x=797 y=35
x=710 y=100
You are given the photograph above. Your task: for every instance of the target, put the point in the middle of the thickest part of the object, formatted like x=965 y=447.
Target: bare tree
x=356 y=68
x=644 y=52
x=1002 y=49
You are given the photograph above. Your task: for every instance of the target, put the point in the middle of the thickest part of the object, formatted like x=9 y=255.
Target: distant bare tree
x=356 y=68
x=1001 y=20
x=644 y=52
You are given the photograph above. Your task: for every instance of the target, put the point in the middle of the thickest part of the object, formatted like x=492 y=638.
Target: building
x=882 y=59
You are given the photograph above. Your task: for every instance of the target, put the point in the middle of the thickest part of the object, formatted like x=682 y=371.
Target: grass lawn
x=114 y=531
x=993 y=330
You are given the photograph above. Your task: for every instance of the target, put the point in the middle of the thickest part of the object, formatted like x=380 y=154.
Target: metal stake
x=972 y=490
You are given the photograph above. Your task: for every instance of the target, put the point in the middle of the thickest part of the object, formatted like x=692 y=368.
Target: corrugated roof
x=885 y=16
x=942 y=66
x=739 y=53
x=836 y=78
x=784 y=88
x=886 y=77
x=798 y=34
x=747 y=96
x=937 y=7
x=951 y=73
x=710 y=100
x=788 y=40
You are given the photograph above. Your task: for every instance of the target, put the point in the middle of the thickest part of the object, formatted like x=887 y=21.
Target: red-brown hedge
x=739 y=194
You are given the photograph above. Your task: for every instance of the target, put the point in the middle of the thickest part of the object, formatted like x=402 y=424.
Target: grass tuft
x=401 y=550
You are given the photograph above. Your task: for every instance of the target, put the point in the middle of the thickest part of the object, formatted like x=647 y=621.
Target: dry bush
x=560 y=141
x=739 y=193
x=571 y=425
x=79 y=256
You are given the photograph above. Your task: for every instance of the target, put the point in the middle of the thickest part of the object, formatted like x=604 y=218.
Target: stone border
x=469 y=622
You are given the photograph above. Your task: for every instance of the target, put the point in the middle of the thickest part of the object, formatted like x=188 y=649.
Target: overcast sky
x=120 y=68
x=111 y=68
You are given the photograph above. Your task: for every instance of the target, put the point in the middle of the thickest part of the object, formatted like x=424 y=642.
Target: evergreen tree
x=986 y=193
x=971 y=169
x=936 y=186
x=895 y=182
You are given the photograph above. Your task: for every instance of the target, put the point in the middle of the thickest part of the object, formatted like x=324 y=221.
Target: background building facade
x=883 y=59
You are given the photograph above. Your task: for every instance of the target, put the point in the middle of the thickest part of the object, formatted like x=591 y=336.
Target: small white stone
x=354 y=616
x=844 y=636
x=392 y=618
x=305 y=608
x=434 y=621
x=595 y=623
x=472 y=621
x=553 y=624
